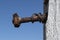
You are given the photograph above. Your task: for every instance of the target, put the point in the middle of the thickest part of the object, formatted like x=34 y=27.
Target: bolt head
x=16 y=20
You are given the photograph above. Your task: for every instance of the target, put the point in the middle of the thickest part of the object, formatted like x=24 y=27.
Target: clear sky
x=24 y=8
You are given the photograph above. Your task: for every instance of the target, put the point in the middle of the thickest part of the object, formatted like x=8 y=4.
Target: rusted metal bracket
x=35 y=17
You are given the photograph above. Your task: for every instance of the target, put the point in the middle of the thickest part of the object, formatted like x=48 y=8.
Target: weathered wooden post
x=53 y=21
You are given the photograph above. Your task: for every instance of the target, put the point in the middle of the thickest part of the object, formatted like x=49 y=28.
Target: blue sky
x=24 y=8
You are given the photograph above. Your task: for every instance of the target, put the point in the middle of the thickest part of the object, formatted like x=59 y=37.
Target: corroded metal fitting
x=35 y=17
